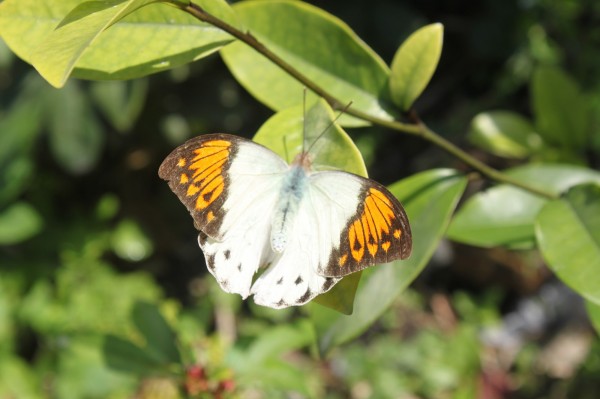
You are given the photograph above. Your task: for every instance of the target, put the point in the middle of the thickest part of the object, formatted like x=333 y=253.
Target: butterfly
x=281 y=232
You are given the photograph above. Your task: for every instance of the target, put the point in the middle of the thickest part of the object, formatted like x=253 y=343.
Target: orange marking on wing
x=342 y=260
x=218 y=143
x=370 y=233
x=379 y=219
x=184 y=179
x=210 y=193
x=357 y=246
x=386 y=245
x=207 y=165
x=397 y=233
x=181 y=162
x=210 y=216
x=192 y=190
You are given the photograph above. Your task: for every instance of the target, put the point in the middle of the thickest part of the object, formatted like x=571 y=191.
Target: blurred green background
x=94 y=247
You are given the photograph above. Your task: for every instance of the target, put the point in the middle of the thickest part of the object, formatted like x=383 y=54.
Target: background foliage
x=102 y=288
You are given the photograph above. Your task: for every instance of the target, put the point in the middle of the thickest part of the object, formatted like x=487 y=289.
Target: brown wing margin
x=197 y=172
x=379 y=233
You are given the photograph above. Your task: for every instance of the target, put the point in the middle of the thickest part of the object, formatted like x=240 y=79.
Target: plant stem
x=418 y=129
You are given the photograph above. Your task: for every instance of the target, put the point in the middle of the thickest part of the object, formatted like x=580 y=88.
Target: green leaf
x=121 y=102
x=76 y=138
x=18 y=223
x=414 y=64
x=121 y=52
x=429 y=199
x=504 y=215
x=160 y=338
x=593 y=311
x=284 y=133
x=317 y=44
x=57 y=54
x=568 y=234
x=505 y=134
x=122 y=355
x=561 y=112
x=130 y=243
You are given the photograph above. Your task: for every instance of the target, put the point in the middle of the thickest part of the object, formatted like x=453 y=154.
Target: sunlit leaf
x=568 y=233
x=414 y=64
x=505 y=215
x=160 y=338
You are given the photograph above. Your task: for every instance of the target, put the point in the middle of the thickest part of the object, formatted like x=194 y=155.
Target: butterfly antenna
x=331 y=123
x=285 y=149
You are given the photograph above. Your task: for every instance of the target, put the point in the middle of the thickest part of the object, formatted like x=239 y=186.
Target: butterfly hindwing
x=375 y=231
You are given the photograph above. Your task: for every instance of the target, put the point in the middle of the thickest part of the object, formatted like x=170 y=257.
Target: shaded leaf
x=120 y=101
x=160 y=338
x=568 y=234
x=429 y=199
x=561 y=113
x=505 y=215
x=334 y=58
x=76 y=138
x=505 y=134
x=414 y=64
x=122 y=355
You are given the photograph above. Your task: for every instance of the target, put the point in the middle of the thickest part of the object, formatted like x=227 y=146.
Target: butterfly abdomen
x=292 y=190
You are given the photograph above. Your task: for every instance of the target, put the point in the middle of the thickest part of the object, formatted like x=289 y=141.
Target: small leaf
x=561 y=113
x=160 y=338
x=18 y=223
x=334 y=58
x=568 y=233
x=505 y=215
x=429 y=198
x=130 y=243
x=414 y=64
x=505 y=134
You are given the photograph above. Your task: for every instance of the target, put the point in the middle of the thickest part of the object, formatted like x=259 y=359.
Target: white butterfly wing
x=293 y=277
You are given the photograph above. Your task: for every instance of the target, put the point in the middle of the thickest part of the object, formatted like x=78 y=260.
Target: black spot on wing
x=305 y=297
x=239 y=267
x=227 y=254
x=281 y=303
x=327 y=284
x=298 y=280
x=280 y=281
x=210 y=261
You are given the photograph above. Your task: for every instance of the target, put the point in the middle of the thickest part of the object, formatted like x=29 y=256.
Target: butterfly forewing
x=197 y=173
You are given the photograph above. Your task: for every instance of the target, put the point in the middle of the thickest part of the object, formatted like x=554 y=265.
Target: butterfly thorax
x=291 y=194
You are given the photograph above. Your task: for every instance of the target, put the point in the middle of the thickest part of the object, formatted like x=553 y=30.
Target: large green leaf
x=414 y=64
x=568 y=234
x=504 y=133
x=561 y=112
x=593 y=311
x=429 y=198
x=317 y=44
x=149 y=40
x=505 y=215
x=287 y=133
